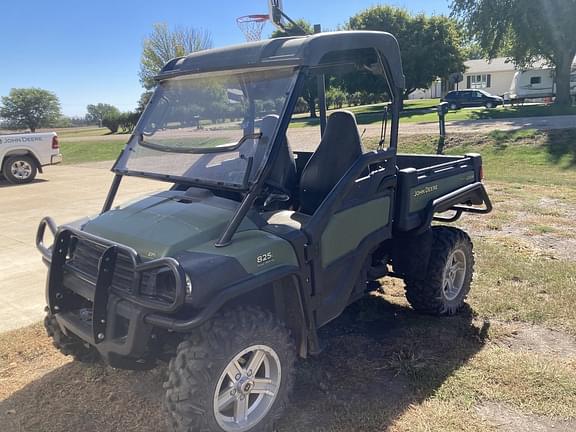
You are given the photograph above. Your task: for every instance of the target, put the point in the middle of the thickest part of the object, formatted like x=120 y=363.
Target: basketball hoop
x=252 y=26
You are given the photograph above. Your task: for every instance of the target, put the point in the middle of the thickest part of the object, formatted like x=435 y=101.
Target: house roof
x=498 y=64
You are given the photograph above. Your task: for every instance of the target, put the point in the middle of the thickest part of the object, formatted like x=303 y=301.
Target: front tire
x=69 y=345
x=20 y=169
x=489 y=105
x=453 y=106
x=446 y=284
x=233 y=374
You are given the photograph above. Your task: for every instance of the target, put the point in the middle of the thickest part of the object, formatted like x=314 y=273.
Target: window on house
x=480 y=81
x=535 y=80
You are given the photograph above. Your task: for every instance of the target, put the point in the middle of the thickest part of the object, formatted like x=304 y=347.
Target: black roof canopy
x=308 y=51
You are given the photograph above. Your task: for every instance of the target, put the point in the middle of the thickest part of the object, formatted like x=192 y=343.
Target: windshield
x=212 y=128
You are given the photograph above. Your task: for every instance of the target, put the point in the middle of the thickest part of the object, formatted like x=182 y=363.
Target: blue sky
x=89 y=52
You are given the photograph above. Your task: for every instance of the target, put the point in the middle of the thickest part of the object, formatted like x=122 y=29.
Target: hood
x=166 y=223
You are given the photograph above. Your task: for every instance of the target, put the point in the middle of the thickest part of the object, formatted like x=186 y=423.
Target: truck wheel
x=20 y=169
x=234 y=373
x=447 y=281
x=69 y=345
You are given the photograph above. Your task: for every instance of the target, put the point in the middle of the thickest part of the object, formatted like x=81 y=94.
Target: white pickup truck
x=23 y=155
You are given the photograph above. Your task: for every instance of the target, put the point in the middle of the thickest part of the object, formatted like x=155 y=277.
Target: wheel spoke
x=265 y=386
x=225 y=399
x=234 y=369
x=241 y=410
x=448 y=286
x=255 y=361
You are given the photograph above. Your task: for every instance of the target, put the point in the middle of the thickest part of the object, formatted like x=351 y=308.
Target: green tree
x=127 y=121
x=164 y=44
x=143 y=101
x=310 y=90
x=431 y=46
x=30 y=108
x=525 y=31
x=97 y=113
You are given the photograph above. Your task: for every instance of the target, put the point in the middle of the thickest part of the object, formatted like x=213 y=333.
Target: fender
x=21 y=150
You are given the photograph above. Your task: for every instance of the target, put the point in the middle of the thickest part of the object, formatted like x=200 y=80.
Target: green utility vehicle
x=230 y=272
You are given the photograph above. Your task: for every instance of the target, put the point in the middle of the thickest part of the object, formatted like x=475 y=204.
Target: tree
x=310 y=90
x=143 y=101
x=164 y=44
x=30 y=108
x=127 y=120
x=525 y=31
x=99 y=112
x=431 y=46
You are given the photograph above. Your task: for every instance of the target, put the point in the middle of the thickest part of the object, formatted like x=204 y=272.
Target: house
x=495 y=76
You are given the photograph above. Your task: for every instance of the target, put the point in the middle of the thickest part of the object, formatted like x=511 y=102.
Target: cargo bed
x=428 y=184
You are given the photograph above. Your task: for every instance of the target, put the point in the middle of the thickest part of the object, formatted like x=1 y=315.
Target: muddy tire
x=69 y=345
x=20 y=169
x=447 y=281
x=234 y=373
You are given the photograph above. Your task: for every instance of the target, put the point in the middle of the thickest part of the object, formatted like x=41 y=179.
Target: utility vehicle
x=230 y=272
x=23 y=155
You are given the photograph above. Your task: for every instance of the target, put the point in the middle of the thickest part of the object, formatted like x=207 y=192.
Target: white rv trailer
x=537 y=83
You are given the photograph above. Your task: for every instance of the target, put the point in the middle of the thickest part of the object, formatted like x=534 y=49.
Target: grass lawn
x=507 y=363
x=91 y=151
x=368 y=114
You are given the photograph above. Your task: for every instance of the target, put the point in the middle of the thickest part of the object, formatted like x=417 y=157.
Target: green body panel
x=349 y=227
x=422 y=194
x=158 y=226
x=257 y=251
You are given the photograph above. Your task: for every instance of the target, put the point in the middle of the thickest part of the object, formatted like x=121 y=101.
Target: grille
x=85 y=255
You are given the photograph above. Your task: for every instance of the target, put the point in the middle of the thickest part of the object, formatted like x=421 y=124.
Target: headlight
x=162 y=285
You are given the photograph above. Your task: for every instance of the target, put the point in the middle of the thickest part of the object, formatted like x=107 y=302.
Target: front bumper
x=91 y=306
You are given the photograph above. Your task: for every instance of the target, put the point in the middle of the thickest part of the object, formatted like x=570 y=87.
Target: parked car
x=471 y=98
x=23 y=155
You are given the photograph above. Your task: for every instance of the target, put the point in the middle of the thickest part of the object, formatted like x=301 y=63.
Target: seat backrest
x=283 y=174
x=339 y=148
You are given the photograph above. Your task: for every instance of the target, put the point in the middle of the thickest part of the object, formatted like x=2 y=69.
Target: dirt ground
x=380 y=361
x=506 y=364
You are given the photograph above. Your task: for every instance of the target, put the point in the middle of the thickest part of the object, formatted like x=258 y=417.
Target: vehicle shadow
x=380 y=358
x=4 y=183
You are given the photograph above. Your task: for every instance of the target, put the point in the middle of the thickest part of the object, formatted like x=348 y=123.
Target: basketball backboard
x=276 y=11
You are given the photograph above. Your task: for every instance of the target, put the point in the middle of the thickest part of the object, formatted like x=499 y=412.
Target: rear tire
x=69 y=345
x=211 y=385
x=447 y=280
x=20 y=169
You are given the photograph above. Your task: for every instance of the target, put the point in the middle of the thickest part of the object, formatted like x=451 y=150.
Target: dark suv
x=472 y=98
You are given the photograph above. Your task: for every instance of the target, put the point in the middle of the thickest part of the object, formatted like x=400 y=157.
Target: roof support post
x=321 y=92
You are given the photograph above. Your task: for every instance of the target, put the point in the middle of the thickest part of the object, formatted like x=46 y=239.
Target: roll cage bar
x=307 y=53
